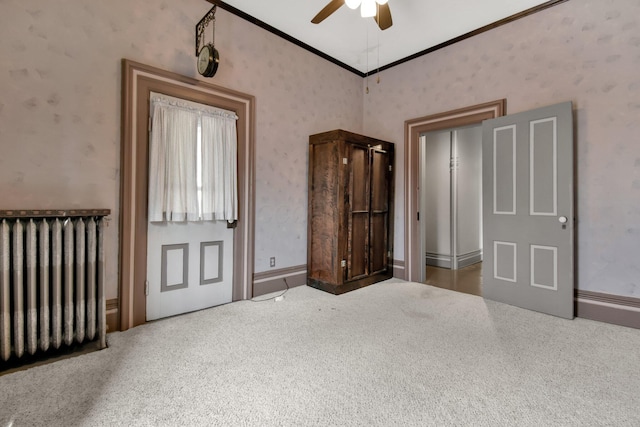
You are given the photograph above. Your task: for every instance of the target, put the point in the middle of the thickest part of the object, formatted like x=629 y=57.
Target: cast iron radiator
x=51 y=280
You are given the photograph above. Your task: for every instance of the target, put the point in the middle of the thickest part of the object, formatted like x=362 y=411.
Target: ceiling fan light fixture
x=352 y=4
x=368 y=8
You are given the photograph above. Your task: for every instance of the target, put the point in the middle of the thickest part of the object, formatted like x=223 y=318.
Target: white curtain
x=219 y=167
x=174 y=161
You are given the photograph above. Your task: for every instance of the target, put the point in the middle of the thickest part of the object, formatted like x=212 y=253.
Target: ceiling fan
x=378 y=9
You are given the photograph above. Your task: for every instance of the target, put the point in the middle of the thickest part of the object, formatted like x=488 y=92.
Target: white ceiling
x=417 y=25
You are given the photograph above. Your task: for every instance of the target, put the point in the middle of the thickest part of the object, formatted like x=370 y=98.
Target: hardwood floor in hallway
x=467 y=279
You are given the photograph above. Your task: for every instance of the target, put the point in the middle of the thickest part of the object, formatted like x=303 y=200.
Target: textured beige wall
x=585 y=51
x=60 y=109
x=60 y=106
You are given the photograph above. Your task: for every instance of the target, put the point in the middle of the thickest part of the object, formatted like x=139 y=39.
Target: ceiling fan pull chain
x=367 y=53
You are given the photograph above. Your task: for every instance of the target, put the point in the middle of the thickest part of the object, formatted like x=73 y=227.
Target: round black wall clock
x=208 y=60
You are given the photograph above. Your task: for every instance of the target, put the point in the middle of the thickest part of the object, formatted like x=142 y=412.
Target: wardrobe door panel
x=359 y=191
x=378 y=243
x=380 y=172
x=358 y=234
x=357 y=258
x=379 y=181
x=324 y=207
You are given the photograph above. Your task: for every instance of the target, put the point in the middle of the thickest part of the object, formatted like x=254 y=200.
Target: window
x=192 y=161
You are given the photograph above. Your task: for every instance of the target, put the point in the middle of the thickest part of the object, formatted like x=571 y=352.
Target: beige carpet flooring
x=391 y=354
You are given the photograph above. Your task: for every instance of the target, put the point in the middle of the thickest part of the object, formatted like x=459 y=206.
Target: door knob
x=563 y=220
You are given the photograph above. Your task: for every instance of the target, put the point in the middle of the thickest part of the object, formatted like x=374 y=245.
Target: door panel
x=189 y=267
x=505 y=257
x=358 y=243
x=544 y=266
x=358 y=231
x=379 y=190
x=359 y=197
x=323 y=255
x=379 y=210
x=543 y=167
x=504 y=171
x=528 y=190
x=378 y=242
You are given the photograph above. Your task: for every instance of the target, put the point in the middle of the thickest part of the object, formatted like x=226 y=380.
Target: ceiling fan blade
x=383 y=17
x=328 y=10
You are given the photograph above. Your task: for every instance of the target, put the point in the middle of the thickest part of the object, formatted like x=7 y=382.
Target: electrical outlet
x=272 y=261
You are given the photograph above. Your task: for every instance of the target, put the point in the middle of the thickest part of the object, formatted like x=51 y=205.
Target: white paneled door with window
x=192 y=199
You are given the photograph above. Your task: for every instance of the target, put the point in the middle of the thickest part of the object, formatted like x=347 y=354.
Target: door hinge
x=417 y=216
x=390 y=168
x=343 y=264
x=146 y=287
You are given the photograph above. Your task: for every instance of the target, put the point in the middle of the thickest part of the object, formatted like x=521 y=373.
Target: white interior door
x=189 y=267
x=528 y=220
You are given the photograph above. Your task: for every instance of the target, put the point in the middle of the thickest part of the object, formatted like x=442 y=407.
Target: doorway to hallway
x=451 y=208
x=467 y=279
x=414 y=267
x=527 y=211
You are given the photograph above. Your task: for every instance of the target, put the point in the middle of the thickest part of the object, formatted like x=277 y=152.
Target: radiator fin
x=45 y=319
x=56 y=288
x=91 y=279
x=67 y=308
x=32 y=297
x=79 y=279
x=18 y=289
x=51 y=284
x=5 y=291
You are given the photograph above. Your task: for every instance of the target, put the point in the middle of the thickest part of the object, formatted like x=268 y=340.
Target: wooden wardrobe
x=350 y=223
